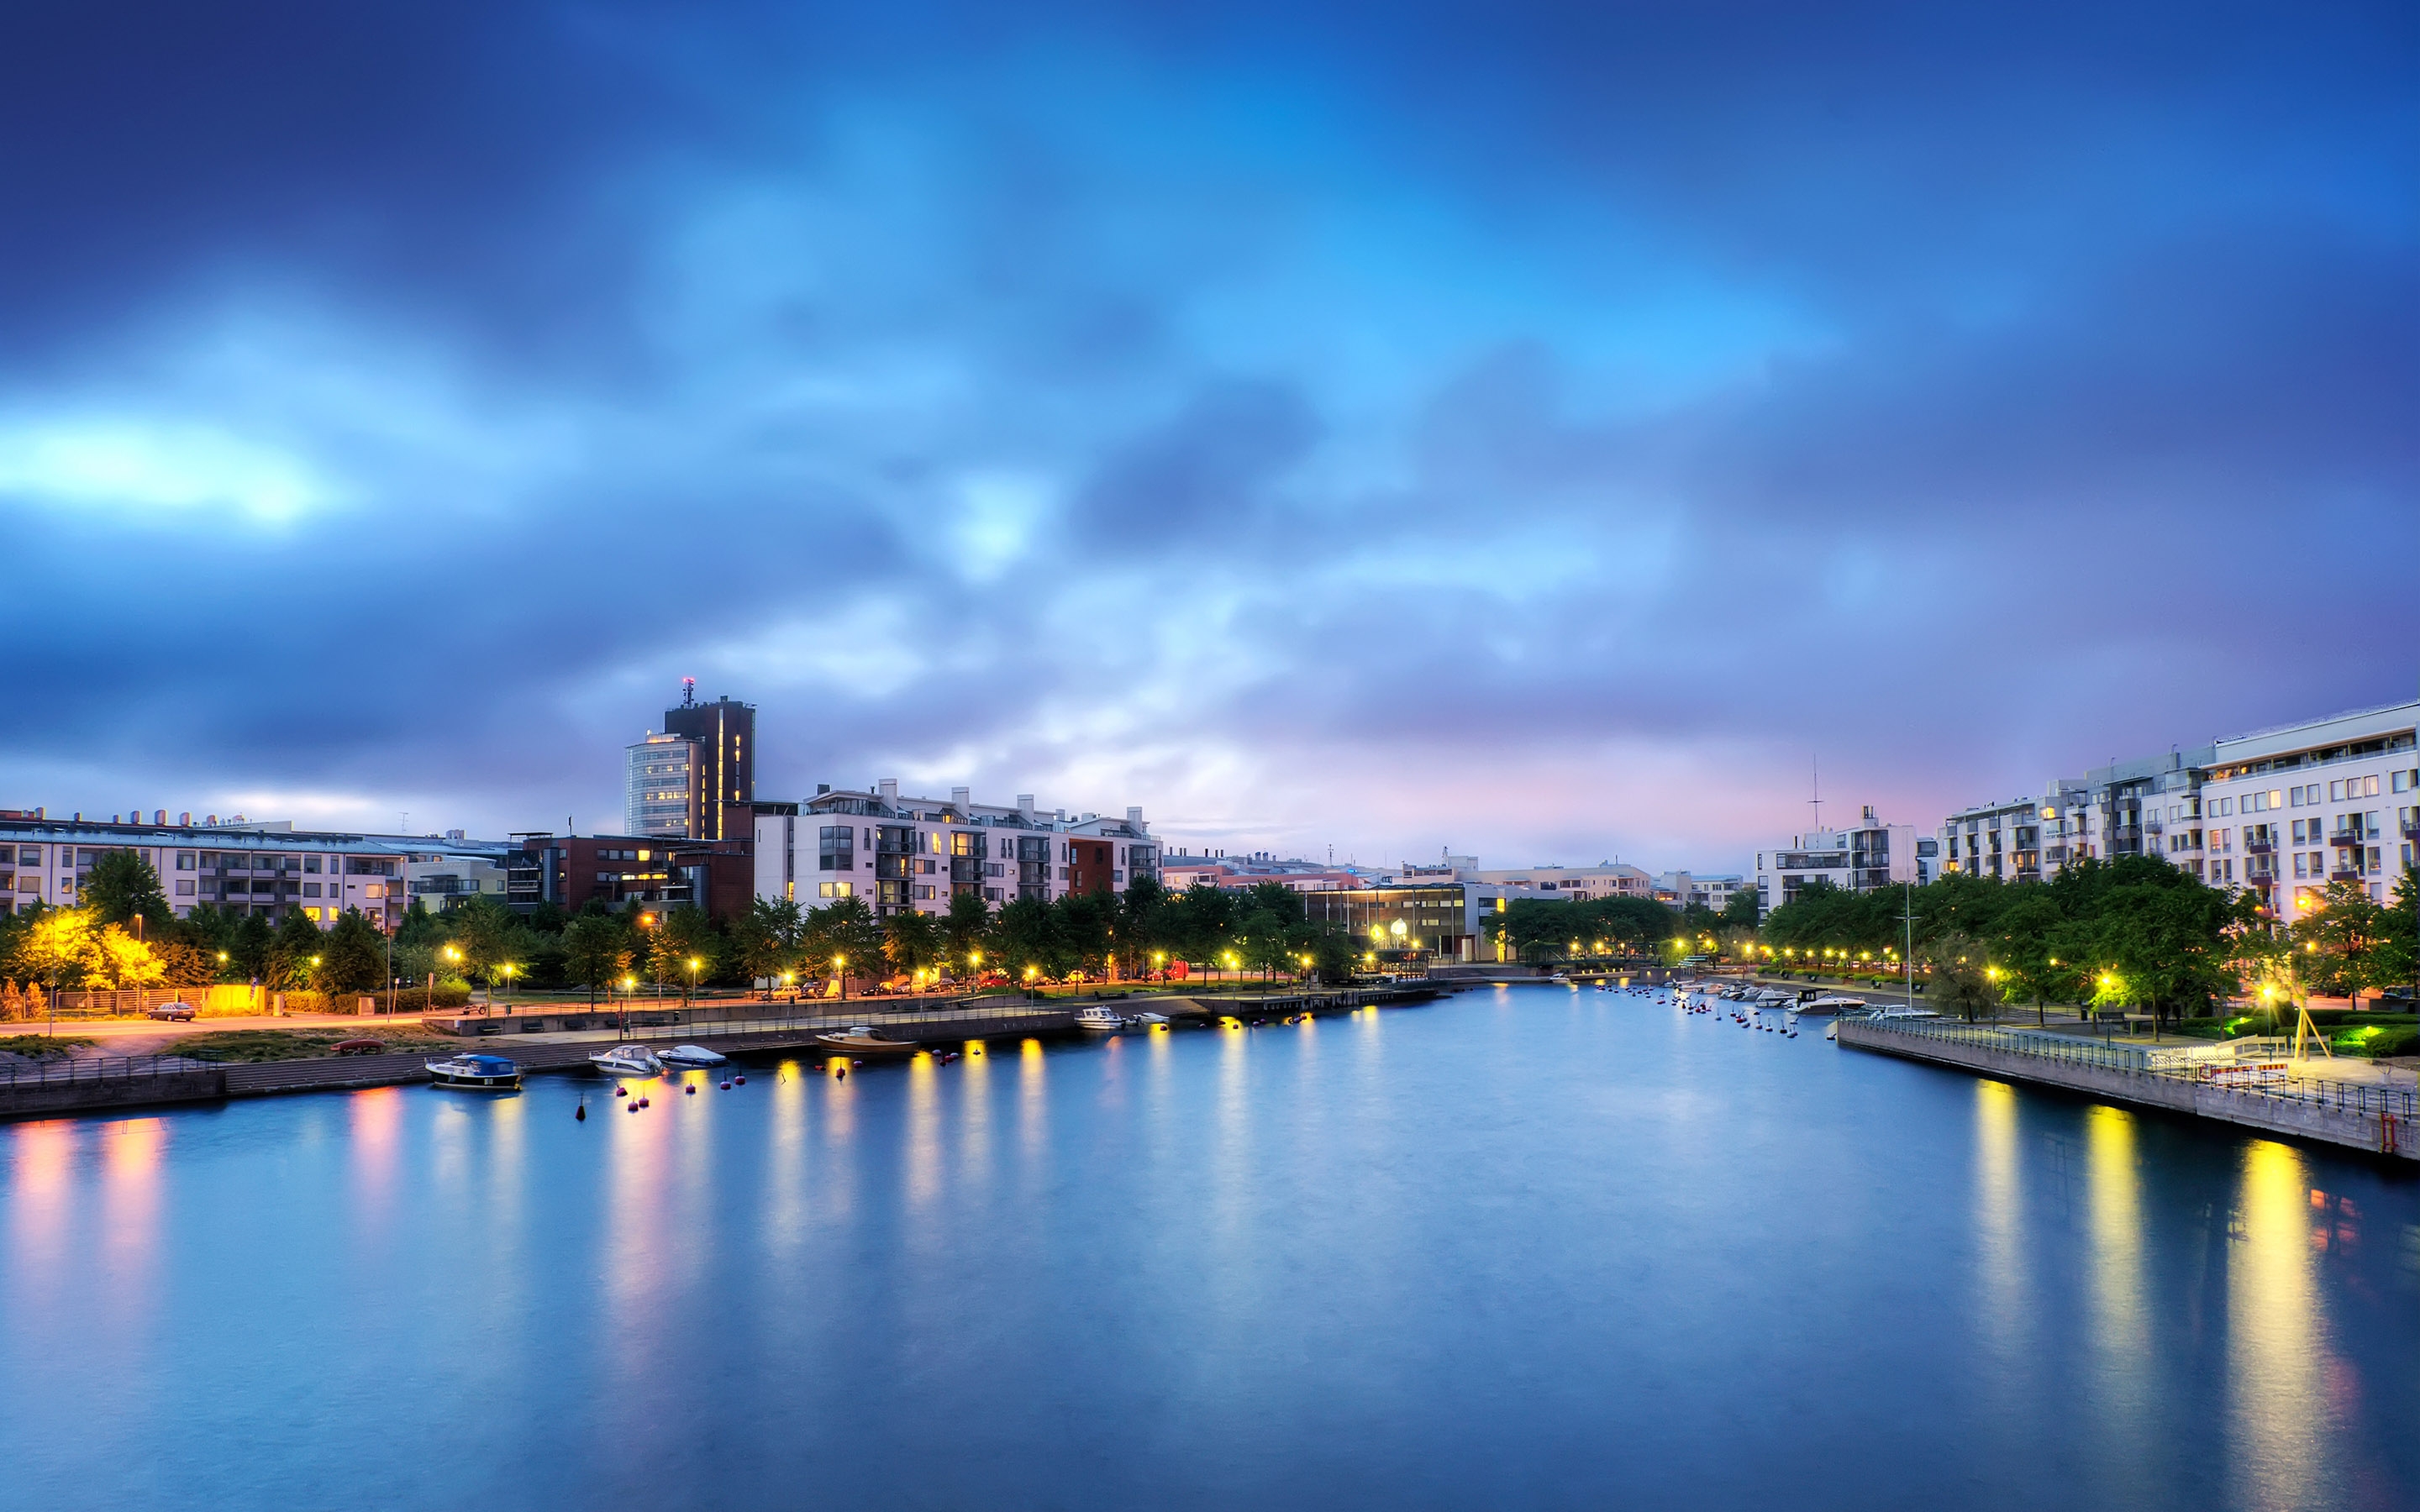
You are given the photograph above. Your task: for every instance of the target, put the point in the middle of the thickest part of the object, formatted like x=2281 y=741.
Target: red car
x=182 y=1012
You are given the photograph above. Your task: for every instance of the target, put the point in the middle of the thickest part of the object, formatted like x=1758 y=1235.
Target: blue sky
x=1537 y=431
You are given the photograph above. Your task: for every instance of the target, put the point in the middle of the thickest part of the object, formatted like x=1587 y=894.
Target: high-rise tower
x=724 y=736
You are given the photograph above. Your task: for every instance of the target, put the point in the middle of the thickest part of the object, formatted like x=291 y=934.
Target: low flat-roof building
x=241 y=866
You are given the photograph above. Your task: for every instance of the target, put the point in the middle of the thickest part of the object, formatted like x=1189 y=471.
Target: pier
x=2353 y=1114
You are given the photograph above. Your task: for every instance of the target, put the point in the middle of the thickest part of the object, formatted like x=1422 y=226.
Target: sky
x=1550 y=433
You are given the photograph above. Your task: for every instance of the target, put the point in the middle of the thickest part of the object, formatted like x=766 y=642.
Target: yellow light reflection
x=1999 y=1222
x=2276 y=1347
x=2120 y=1333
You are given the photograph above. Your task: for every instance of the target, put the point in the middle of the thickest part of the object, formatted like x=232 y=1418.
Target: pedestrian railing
x=2255 y=1068
x=98 y=1068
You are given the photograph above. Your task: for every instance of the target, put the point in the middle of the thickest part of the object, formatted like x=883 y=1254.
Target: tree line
x=2132 y=932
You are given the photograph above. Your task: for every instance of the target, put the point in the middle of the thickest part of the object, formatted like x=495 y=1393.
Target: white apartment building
x=661 y=786
x=2288 y=810
x=241 y=866
x=1861 y=857
x=900 y=852
x=1685 y=889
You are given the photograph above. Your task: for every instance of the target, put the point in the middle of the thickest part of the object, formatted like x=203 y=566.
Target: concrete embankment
x=97 y=1089
x=2374 y=1128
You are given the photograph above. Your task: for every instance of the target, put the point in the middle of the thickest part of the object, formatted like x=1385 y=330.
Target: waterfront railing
x=2242 y=1067
x=93 y=1069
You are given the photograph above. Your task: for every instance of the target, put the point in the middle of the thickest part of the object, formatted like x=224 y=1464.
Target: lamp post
x=693 y=982
x=840 y=969
x=506 y=969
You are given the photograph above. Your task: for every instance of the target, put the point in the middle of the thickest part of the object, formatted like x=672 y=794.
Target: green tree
x=966 y=932
x=2344 y=939
x=352 y=957
x=683 y=948
x=844 y=931
x=248 y=949
x=57 y=946
x=911 y=941
x=765 y=940
x=1027 y=938
x=295 y=954
x=596 y=951
x=1960 y=978
x=121 y=887
x=488 y=937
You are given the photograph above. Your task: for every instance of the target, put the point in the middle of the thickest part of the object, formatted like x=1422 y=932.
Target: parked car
x=180 y=1011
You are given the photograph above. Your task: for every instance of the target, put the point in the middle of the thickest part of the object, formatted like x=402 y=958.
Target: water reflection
x=924 y=1131
x=130 y=1215
x=1032 y=1108
x=2119 y=1326
x=974 y=1115
x=2276 y=1340
x=2003 y=1303
x=40 y=1177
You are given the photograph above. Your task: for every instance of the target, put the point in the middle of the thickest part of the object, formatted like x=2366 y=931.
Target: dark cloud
x=1302 y=413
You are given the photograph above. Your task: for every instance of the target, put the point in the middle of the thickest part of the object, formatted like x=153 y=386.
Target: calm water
x=1533 y=1248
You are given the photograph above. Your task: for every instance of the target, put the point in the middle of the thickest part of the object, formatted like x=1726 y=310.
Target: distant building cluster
x=2280 y=812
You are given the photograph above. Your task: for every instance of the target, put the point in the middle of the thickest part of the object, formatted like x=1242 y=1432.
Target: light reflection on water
x=2277 y=1340
x=1529 y=1249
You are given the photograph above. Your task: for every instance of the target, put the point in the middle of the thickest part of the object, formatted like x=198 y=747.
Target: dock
x=2350 y=1114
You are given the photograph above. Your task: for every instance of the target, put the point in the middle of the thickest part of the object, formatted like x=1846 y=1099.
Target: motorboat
x=862 y=1043
x=1094 y=1016
x=690 y=1056
x=627 y=1060
x=478 y=1073
x=1833 y=1003
x=1150 y=1018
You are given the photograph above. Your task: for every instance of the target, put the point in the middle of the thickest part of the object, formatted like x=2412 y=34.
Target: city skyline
x=1537 y=434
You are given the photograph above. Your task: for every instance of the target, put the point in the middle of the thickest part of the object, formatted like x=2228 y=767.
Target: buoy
x=726 y=1086
x=629 y=1107
x=841 y=1074
x=621 y=1091
x=741 y=1080
x=582 y=1114
x=690 y=1088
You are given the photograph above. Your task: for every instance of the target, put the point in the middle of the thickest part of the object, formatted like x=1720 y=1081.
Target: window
x=2226 y=806
x=2298 y=865
x=374 y=889
x=833 y=889
x=925 y=864
x=184 y=860
x=962 y=843
x=311 y=863
x=923 y=892
x=184 y=888
x=311 y=889
x=991 y=895
x=2406 y=780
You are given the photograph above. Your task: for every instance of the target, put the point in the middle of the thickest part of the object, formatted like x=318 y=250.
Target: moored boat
x=862 y=1043
x=1834 y=1003
x=627 y=1060
x=691 y=1054
x=480 y=1074
x=1093 y=1016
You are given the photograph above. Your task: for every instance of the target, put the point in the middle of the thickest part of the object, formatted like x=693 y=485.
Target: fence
x=99 y=1069
x=2222 y=1067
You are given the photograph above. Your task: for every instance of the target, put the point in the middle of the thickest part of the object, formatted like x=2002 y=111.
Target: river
x=1532 y=1247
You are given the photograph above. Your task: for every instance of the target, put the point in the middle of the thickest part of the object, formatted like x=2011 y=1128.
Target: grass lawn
x=254 y=1045
x=43 y=1046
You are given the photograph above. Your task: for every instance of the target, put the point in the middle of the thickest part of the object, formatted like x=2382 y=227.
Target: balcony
x=2345 y=874
x=2351 y=837
x=2259 y=847
x=2412 y=830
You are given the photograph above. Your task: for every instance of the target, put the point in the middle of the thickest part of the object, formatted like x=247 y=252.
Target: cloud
x=1307 y=423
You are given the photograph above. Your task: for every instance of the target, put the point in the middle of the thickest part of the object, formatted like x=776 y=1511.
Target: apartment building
x=900 y=852
x=1441 y=919
x=2281 y=812
x=239 y=867
x=573 y=870
x=1859 y=857
x=696 y=779
x=2288 y=810
x=1691 y=889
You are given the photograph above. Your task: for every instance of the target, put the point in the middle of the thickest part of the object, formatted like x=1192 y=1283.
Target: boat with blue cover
x=478 y=1073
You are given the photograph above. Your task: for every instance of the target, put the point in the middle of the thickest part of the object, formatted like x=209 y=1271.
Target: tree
x=61 y=945
x=2343 y=938
x=126 y=960
x=596 y=951
x=123 y=884
x=1027 y=938
x=1746 y=910
x=843 y=935
x=352 y=956
x=911 y=941
x=684 y=947
x=1960 y=978
x=966 y=932
x=486 y=934
x=765 y=939
x=295 y=955
x=248 y=946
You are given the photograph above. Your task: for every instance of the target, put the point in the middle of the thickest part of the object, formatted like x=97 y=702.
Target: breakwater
x=2353 y=1116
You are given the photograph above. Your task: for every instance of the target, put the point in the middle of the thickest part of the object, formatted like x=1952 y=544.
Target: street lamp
x=693 y=982
x=840 y=969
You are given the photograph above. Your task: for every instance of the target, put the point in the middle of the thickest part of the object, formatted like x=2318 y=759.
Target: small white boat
x=692 y=1055
x=483 y=1074
x=1834 y=1003
x=1097 y=1017
x=627 y=1060
x=1150 y=1018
